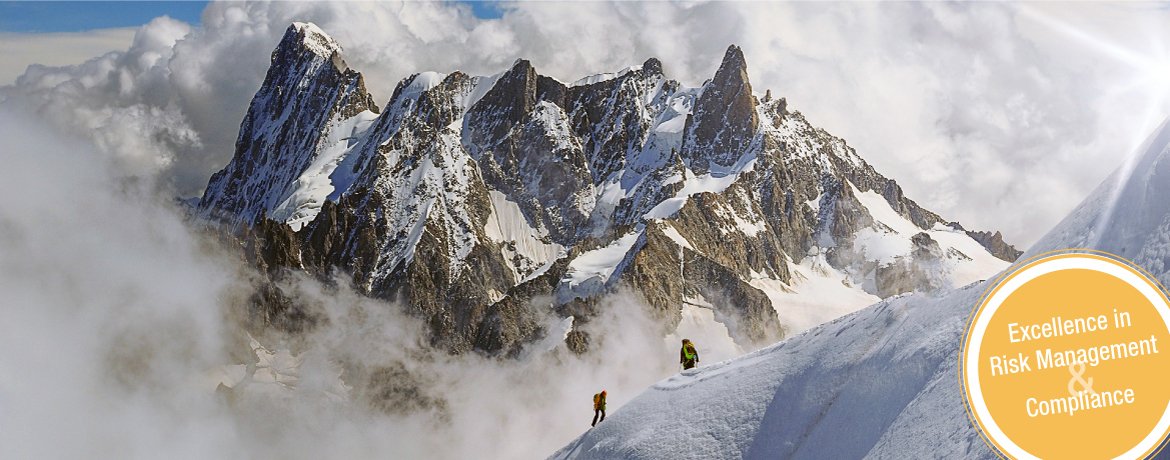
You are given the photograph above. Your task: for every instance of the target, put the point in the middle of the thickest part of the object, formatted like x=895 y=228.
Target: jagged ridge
x=486 y=203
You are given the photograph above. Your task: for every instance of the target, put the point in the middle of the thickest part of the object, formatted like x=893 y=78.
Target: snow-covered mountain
x=882 y=382
x=489 y=202
x=297 y=131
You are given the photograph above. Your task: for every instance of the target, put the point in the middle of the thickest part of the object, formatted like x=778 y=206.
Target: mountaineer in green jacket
x=688 y=356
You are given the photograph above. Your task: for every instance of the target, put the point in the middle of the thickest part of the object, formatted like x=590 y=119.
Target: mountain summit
x=491 y=203
x=297 y=118
x=725 y=118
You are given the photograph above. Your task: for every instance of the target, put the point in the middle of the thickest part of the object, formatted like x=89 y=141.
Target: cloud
x=981 y=114
x=120 y=320
x=123 y=101
x=110 y=306
x=21 y=50
x=985 y=113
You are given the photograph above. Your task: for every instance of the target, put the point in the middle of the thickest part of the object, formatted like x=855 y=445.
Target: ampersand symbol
x=1078 y=371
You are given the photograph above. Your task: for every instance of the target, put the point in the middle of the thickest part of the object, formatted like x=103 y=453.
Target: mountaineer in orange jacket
x=598 y=407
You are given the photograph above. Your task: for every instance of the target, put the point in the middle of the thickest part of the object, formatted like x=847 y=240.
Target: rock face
x=526 y=150
x=995 y=244
x=309 y=101
x=724 y=121
x=492 y=205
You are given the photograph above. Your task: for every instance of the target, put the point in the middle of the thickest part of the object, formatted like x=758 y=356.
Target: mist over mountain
x=128 y=334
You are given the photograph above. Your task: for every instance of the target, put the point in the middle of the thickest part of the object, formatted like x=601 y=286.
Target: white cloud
x=111 y=305
x=119 y=320
x=123 y=101
x=983 y=112
x=56 y=49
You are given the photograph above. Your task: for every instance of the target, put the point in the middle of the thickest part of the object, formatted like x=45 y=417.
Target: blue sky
x=33 y=17
x=485 y=9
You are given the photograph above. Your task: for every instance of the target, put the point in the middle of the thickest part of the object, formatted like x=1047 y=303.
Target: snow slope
x=843 y=390
x=592 y=270
x=966 y=261
x=881 y=382
x=323 y=178
x=818 y=293
x=1127 y=215
x=527 y=249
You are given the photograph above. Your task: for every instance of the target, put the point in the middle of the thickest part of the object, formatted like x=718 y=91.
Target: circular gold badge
x=1068 y=356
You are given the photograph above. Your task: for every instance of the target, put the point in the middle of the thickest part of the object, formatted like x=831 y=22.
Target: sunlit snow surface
x=328 y=175
x=816 y=294
x=593 y=270
x=881 y=382
x=598 y=78
x=885 y=245
x=527 y=249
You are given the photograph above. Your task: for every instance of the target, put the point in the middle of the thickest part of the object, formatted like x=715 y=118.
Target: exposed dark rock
x=393 y=389
x=652 y=66
x=509 y=101
x=577 y=341
x=724 y=119
x=995 y=245
x=547 y=175
x=668 y=282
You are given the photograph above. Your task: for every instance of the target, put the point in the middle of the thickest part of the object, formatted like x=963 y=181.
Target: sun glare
x=1143 y=87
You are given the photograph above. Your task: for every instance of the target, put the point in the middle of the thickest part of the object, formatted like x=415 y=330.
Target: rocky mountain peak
x=733 y=61
x=442 y=105
x=652 y=66
x=724 y=120
x=306 y=36
x=995 y=244
x=508 y=101
x=521 y=65
x=307 y=91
